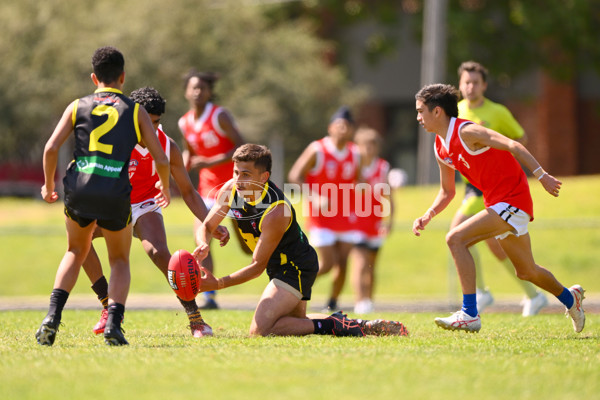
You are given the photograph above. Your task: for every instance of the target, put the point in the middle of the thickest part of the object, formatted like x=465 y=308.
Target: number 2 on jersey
x=96 y=134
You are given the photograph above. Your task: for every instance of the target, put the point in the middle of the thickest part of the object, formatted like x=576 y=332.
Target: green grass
x=512 y=357
x=565 y=238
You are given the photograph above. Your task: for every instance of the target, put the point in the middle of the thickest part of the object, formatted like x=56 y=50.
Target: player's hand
x=222 y=235
x=420 y=224
x=49 y=196
x=163 y=199
x=551 y=184
x=201 y=252
x=208 y=281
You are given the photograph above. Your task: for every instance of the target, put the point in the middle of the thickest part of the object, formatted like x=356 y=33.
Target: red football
x=184 y=275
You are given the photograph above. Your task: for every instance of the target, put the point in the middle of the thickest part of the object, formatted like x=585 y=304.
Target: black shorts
x=299 y=273
x=112 y=224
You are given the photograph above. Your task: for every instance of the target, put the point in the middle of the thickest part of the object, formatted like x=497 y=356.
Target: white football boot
x=460 y=321
x=576 y=311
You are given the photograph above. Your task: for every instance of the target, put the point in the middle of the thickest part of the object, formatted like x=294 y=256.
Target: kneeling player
x=267 y=222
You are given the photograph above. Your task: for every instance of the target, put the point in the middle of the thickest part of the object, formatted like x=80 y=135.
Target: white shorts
x=517 y=218
x=144 y=207
x=371 y=242
x=321 y=237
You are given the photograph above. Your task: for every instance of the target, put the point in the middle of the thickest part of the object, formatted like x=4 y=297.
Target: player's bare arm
x=303 y=165
x=231 y=131
x=181 y=177
x=50 y=159
x=160 y=158
x=441 y=201
x=477 y=137
x=210 y=226
x=274 y=225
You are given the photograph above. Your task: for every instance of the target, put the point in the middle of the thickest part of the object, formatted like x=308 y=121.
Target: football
x=184 y=275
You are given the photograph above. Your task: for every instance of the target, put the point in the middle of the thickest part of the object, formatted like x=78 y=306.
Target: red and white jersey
x=369 y=208
x=142 y=170
x=495 y=172
x=207 y=139
x=331 y=183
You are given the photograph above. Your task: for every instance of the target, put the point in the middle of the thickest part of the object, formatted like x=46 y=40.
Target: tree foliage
x=508 y=36
x=274 y=77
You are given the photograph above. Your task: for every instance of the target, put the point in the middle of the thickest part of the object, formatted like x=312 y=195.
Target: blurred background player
x=481 y=110
x=375 y=215
x=330 y=166
x=267 y=221
x=210 y=136
x=107 y=125
x=147 y=220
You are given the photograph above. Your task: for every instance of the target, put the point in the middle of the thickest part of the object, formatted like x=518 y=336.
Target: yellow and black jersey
x=106 y=130
x=294 y=260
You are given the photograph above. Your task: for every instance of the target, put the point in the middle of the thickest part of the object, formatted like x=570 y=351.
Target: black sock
x=58 y=299
x=190 y=307
x=116 y=312
x=323 y=326
x=100 y=287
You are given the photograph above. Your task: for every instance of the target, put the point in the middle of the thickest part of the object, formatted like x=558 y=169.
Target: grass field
x=512 y=357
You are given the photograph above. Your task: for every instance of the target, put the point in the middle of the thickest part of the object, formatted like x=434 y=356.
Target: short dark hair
x=438 y=94
x=260 y=155
x=473 y=66
x=210 y=78
x=108 y=64
x=150 y=99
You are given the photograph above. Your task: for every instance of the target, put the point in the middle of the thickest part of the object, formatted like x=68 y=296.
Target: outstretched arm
x=476 y=137
x=274 y=226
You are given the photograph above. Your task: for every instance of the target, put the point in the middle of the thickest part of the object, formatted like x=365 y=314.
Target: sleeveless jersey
x=142 y=170
x=106 y=131
x=331 y=186
x=370 y=209
x=207 y=139
x=495 y=172
x=293 y=246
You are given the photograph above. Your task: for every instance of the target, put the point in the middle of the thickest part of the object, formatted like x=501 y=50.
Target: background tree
x=274 y=77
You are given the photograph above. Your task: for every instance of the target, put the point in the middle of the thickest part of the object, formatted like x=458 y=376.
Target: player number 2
x=111 y=121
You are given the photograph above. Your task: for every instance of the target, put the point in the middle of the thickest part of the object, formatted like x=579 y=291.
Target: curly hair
x=150 y=99
x=108 y=64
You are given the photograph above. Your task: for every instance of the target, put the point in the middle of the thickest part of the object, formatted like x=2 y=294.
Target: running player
x=490 y=161
x=107 y=125
x=481 y=110
x=211 y=136
x=267 y=222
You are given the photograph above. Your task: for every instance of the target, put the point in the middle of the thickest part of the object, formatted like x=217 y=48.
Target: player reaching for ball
x=147 y=220
x=107 y=125
x=267 y=222
x=490 y=161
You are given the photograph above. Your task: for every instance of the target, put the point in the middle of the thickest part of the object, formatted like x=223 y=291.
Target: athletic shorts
x=113 y=224
x=321 y=237
x=144 y=207
x=517 y=218
x=473 y=201
x=296 y=276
